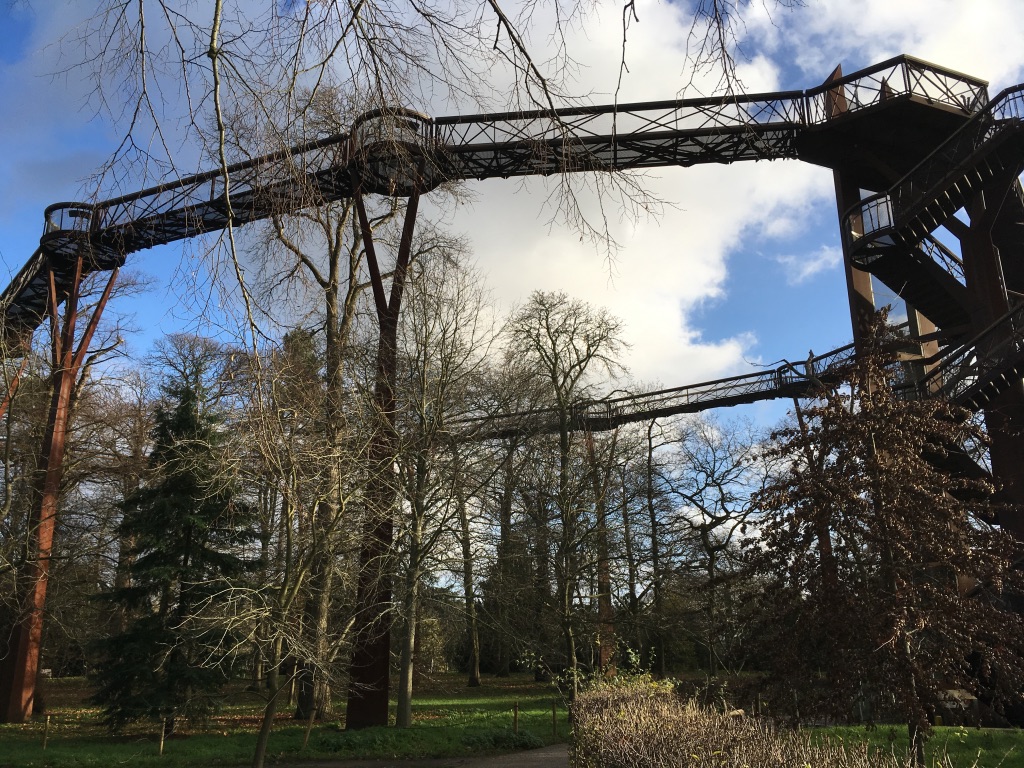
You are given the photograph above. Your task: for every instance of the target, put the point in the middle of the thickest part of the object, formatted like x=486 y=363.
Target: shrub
x=645 y=725
x=366 y=741
x=502 y=739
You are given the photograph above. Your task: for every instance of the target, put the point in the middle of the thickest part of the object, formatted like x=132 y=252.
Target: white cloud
x=981 y=38
x=800 y=269
x=667 y=268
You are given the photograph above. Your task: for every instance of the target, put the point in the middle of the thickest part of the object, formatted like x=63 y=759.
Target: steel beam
x=369 y=673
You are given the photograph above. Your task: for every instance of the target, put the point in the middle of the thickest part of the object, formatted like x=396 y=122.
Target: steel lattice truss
x=391 y=152
x=396 y=152
x=969 y=374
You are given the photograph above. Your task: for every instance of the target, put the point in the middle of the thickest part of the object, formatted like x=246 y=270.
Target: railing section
x=883 y=220
x=291 y=178
x=900 y=76
x=945 y=258
x=993 y=351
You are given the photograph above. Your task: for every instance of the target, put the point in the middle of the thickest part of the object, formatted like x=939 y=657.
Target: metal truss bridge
x=926 y=142
x=394 y=152
x=961 y=373
x=950 y=139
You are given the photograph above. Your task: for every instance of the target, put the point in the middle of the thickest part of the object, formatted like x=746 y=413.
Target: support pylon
x=19 y=669
x=369 y=673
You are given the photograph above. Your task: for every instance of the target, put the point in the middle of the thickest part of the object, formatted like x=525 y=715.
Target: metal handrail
x=944 y=257
x=900 y=76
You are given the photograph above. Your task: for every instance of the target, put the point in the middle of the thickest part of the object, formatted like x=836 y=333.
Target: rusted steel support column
x=369 y=682
x=848 y=187
x=18 y=671
x=858 y=282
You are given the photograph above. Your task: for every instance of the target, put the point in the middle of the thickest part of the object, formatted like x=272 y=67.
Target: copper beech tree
x=884 y=583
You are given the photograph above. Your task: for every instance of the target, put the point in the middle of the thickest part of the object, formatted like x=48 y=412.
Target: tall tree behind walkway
x=569 y=343
x=883 y=582
x=187 y=528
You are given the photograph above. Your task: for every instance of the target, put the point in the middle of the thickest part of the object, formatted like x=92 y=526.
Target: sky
x=741 y=270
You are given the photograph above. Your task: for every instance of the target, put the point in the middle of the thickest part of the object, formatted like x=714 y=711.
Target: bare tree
x=446 y=336
x=309 y=490
x=717 y=470
x=568 y=341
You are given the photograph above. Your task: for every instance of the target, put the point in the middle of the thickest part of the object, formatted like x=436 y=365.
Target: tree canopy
x=884 y=583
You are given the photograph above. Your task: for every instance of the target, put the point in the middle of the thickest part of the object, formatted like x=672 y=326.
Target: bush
x=501 y=738
x=646 y=725
x=360 y=742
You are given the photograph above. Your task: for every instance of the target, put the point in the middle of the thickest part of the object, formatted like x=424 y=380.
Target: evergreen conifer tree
x=188 y=528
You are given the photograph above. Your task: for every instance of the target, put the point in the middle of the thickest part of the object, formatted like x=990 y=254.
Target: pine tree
x=187 y=528
x=882 y=580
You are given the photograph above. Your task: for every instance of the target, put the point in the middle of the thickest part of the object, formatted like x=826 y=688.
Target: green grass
x=965 y=747
x=449 y=720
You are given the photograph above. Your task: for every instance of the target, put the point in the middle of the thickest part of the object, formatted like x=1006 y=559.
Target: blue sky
x=744 y=268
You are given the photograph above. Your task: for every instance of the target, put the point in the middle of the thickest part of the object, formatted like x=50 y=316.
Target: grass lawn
x=964 y=747
x=449 y=720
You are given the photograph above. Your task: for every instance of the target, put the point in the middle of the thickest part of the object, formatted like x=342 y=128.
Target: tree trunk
x=712 y=612
x=369 y=682
x=403 y=717
x=504 y=565
x=472 y=634
x=541 y=588
x=632 y=569
x=605 y=611
x=567 y=557
x=314 y=694
x=657 y=639
x=274 y=692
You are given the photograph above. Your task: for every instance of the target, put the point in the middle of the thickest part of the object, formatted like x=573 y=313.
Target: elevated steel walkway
x=970 y=374
x=784 y=381
x=909 y=101
x=934 y=125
